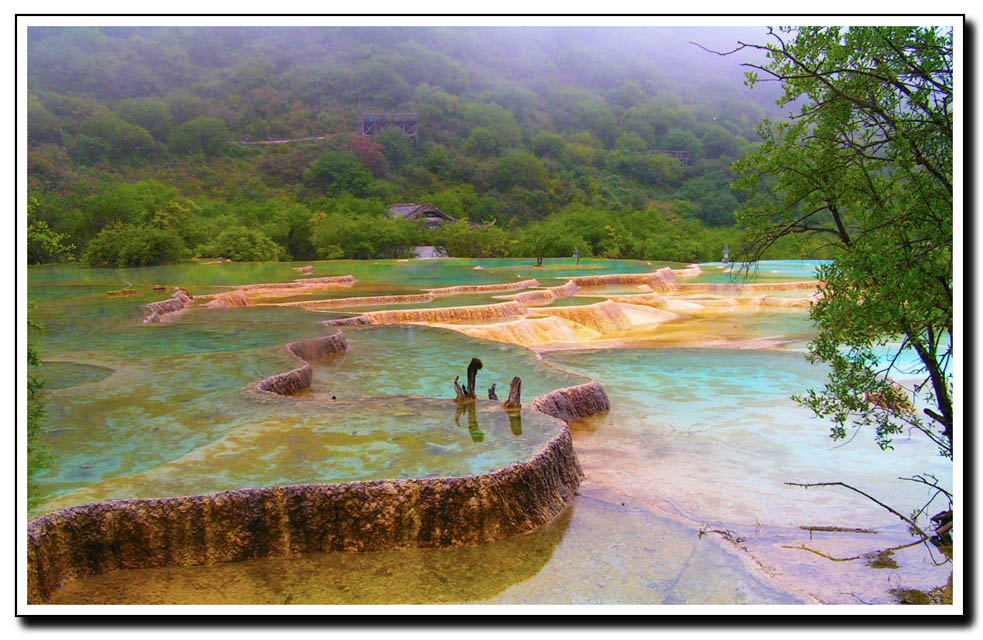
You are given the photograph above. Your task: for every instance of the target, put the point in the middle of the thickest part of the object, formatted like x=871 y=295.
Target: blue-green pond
x=684 y=499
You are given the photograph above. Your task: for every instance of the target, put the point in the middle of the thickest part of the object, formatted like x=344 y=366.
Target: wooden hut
x=431 y=215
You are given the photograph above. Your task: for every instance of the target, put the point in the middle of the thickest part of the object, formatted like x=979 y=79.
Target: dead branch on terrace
x=911 y=524
x=467 y=394
x=515 y=394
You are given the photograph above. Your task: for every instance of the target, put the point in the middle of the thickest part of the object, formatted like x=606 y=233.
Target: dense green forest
x=137 y=139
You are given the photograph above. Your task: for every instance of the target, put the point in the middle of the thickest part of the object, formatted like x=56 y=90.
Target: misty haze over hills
x=516 y=124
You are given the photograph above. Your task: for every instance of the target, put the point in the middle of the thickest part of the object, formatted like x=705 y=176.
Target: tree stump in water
x=467 y=394
x=491 y=392
x=515 y=393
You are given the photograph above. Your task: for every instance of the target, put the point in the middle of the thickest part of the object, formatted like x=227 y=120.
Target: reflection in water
x=515 y=422
x=598 y=551
x=408 y=576
x=476 y=434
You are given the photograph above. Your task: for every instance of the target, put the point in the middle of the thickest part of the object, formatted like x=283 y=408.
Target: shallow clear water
x=440 y=301
x=715 y=434
x=764 y=271
x=292 y=441
x=597 y=552
x=418 y=360
x=695 y=437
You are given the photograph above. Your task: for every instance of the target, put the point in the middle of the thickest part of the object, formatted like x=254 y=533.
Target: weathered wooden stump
x=515 y=394
x=467 y=394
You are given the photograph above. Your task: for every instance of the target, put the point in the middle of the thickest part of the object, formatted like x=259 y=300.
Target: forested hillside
x=138 y=154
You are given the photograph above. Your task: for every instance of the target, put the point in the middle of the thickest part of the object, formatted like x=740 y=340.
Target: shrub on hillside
x=128 y=245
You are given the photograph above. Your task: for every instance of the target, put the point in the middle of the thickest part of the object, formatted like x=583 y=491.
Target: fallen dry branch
x=811 y=528
x=913 y=526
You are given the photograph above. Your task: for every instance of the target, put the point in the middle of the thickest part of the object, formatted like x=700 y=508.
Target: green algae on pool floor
x=62 y=375
x=292 y=441
x=156 y=413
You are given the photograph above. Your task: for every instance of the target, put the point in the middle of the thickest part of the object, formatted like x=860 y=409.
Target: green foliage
x=377 y=84
x=551 y=239
x=438 y=161
x=137 y=203
x=520 y=169
x=647 y=168
x=866 y=165
x=38 y=456
x=506 y=139
x=630 y=142
x=483 y=143
x=240 y=244
x=107 y=137
x=715 y=203
x=338 y=173
x=129 y=245
x=397 y=147
x=717 y=141
x=42 y=125
x=152 y=114
x=209 y=136
x=552 y=145
x=498 y=121
x=463 y=240
x=43 y=244
x=349 y=228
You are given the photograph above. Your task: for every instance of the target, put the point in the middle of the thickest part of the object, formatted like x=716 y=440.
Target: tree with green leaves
x=338 y=173
x=130 y=245
x=397 y=147
x=38 y=456
x=108 y=137
x=240 y=244
x=43 y=244
x=866 y=163
x=209 y=136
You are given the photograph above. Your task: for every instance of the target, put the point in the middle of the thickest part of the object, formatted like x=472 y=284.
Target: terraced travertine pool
x=683 y=501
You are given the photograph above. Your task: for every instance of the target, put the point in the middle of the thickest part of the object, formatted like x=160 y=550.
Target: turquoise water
x=416 y=360
x=128 y=403
x=764 y=271
x=695 y=438
x=716 y=434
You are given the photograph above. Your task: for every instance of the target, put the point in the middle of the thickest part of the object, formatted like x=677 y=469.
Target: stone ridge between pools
x=246 y=524
x=309 y=351
x=662 y=280
x=573 y=403
x=179 y=301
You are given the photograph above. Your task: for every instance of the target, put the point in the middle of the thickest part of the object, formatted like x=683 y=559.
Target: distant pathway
x=280 y=140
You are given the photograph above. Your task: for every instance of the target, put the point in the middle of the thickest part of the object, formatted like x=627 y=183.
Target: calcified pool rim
x=252 y=523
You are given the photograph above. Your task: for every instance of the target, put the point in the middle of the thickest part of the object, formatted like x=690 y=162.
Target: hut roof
x=427 y=211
